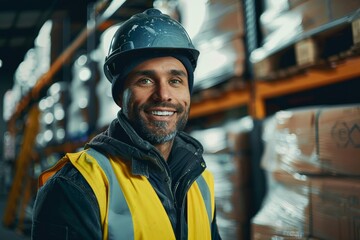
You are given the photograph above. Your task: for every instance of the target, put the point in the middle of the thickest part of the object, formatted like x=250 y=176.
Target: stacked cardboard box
x=83 y=108
x=287 y=18
x=219 y=36
x=232 y=194
x=320 y=140
x=312 y=158
x=228 y=157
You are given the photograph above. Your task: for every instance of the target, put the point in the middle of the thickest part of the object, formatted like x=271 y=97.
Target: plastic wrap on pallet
x=228 y=157
x=280 y=29
x=217 y=29
x=83 y=109
x=207 y=136
x=107 y=107
x=239 y=146
x=303 y=17
x=231 y=136
x=298 y=206
x=312 y=162
x=278 y=6
x=36 y=61
x=315 y=140
x=285 y=213
x=9 y=104
x=219 y=60
x=205 y=20
x=52 y=117
x=232 y=202
x=222 y=18
x=281 y=25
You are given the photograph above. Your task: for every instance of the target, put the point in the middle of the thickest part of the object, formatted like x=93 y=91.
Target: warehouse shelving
x=253 y=96
x=313 y=78
x=47 y=78
x=27 y=111
x=227 y=100
x=309 y=67
x=263 y=90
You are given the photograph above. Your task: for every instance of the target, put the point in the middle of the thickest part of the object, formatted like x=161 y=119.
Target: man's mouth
x=162 y=113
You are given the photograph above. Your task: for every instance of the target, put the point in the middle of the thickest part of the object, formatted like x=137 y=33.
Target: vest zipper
x=186 y=188
x=179 y=180
x=161 y=162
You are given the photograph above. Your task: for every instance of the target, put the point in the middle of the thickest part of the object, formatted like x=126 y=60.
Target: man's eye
x=145 y=81
x=175 y=81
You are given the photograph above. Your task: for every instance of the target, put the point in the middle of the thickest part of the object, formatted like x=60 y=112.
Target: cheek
x=186 y=100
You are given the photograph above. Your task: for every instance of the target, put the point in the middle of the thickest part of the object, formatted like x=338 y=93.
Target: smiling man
x=143 y=178
x=156 y=101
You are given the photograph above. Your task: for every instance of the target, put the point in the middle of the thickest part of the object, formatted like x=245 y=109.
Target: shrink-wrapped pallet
x=312 y=160
x=300 y=206
x=318 y=140
x=285 y=213
x=228 y=157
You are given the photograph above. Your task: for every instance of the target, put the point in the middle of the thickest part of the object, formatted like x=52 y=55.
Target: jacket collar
x=122 y=141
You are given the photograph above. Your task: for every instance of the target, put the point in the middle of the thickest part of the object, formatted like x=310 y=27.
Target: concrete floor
x=5 y=233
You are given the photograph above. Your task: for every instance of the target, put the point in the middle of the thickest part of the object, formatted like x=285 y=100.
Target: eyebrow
x=180 y=73
x=152 y=73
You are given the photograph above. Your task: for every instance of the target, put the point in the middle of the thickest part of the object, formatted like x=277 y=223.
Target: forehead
x=160 y=63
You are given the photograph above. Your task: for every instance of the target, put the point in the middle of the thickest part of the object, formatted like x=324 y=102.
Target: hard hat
x=147 y=35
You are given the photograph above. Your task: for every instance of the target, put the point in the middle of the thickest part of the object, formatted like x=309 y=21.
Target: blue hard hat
x=146 y=34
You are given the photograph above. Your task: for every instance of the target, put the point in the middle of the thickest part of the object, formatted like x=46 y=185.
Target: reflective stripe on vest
x=119 y=213
x=205 y=192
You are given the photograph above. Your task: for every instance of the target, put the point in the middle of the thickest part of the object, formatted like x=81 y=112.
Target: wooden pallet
x=321 y=47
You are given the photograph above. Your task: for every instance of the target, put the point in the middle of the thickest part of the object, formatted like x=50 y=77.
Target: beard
x=157 y=132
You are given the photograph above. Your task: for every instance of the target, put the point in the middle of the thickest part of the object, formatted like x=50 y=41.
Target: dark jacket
x=66 y=207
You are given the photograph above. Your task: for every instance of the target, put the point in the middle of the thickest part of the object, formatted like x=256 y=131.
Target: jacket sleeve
x=215 y=235
x=66 y=208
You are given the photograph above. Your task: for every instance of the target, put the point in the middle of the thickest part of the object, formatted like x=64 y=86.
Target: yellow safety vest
x=130 y=207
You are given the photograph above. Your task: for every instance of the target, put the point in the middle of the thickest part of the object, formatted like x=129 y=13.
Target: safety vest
x=130 y=207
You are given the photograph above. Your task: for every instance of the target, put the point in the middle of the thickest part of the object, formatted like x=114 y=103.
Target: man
x=143 y=178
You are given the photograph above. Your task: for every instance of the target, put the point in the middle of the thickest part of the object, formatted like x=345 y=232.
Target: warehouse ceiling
x=20 y=22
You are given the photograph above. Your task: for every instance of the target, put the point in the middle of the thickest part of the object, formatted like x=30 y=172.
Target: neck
x=165 y=149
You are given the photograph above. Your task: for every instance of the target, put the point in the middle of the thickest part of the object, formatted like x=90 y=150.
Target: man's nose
x=162 y=92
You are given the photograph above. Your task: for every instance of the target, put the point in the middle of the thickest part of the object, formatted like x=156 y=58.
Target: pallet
x=320 y=47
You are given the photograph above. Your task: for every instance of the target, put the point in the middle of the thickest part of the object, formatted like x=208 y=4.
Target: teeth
x=162 y=113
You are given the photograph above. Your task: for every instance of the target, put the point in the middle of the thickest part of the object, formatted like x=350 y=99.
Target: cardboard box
x=285 y=212
x=342 y=8
x=338 y=142
x=335 y=208
x=239 y=142
x=322 y=140
x=291 y=145
x=232 y=200
x=321 y=207
x=261 y=233
x=223 y=19
x=219 y=60
x=302 y=17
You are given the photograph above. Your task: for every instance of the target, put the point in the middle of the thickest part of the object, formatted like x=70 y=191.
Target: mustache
x=178 y=108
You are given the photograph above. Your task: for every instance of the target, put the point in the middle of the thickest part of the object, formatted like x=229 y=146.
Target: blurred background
x=276 y=105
